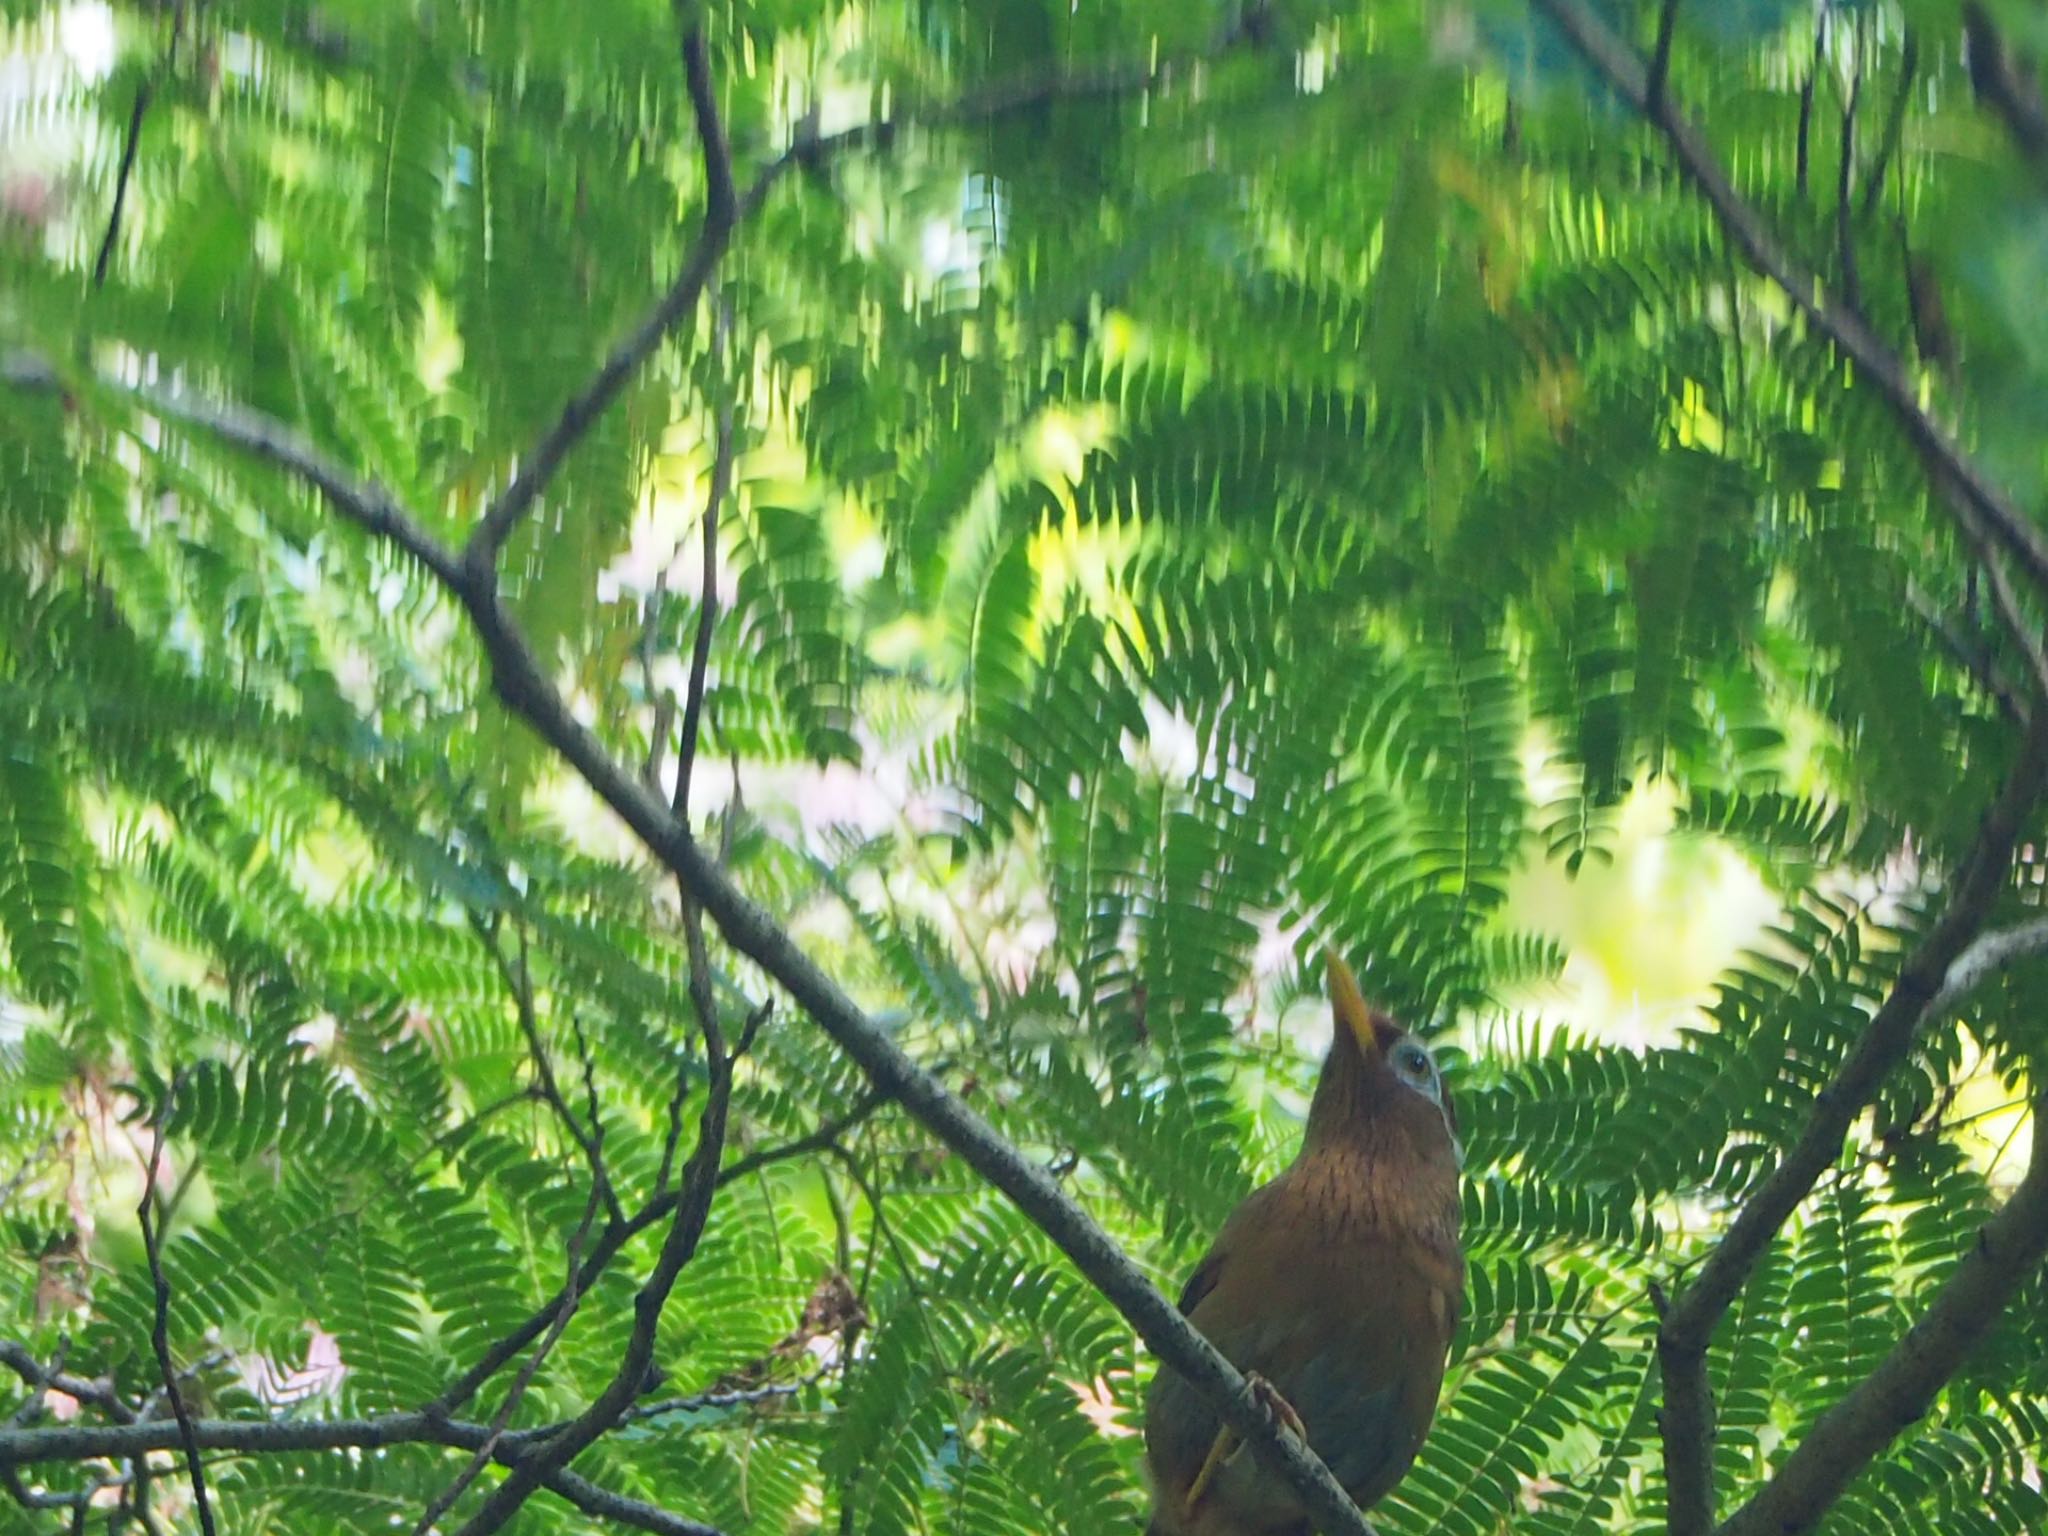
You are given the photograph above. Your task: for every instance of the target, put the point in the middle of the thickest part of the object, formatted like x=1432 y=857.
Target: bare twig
x=1845 y=186
x=1944 y=456
x=1802 y=159
x=250 y=1437
x=1894 y=121
x=160 y=1327
x=707 y=606
x=612 y=1239
x=722 y=213
x=145 y=93
x=1660 y=59
x=518 y=977
x=2009 y=1247
x=693 y=1208
x=481 y=1457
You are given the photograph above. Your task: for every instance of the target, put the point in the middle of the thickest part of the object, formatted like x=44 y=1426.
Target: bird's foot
x=1224 y=1449
x=1270 y=1399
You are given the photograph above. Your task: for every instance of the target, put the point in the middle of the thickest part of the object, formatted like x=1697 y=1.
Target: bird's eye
x=1413 y=1066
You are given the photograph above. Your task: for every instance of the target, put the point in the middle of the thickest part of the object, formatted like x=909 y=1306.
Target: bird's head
x=1379 y=1079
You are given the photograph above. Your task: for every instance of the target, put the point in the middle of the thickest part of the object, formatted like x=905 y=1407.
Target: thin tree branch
x=145 y=93
x=693 y=1209
x=722 y=213
x=1613 y=58
x=1845 y=190
x=253 y=1437
x=518 y=977
x=1949 y=961
x=1970 y=653
x=1802 y=159
x=612 y=1239
x=78 y=1500
x=2009 y=1247
x=1660 y=59
x=97 y=1393
x=707 y=607
x=160 y=1325
x=1894 y=121
x=481 y=1457
x=366 y=504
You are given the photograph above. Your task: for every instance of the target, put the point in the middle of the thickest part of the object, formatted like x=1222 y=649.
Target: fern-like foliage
x=1328 y=487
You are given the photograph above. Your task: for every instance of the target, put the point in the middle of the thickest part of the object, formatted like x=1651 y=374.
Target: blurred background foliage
x=1344 y=491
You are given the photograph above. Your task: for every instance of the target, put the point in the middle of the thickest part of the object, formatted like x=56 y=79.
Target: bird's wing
x=1201 y=1282
x=1239 y=1231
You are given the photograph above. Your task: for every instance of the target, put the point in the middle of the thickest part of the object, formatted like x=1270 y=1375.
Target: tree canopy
x=686 y=690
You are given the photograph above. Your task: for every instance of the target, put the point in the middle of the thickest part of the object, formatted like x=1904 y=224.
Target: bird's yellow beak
x=1349 y=1004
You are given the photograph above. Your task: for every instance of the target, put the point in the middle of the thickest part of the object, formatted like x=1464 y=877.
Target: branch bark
x=1937 y=446
x=1938 y=974
x=519 y=681
x=2009 y=1247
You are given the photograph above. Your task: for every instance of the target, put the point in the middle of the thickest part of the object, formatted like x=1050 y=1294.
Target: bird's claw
x=1270 y=1399
x=1223 y=1450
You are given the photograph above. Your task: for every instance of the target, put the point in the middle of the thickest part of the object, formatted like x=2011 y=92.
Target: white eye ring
x=1414 y=1066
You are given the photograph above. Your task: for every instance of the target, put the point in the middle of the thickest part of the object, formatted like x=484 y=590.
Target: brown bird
x=1335 y=1288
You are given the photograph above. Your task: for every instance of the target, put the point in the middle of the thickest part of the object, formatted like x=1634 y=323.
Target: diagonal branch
x=1938 y=448
x=519 y=680
x=2009 y=1247
x=751 y=929
x=1946 y=964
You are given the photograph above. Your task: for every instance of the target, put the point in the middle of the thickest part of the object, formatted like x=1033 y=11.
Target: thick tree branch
x=754 y=932
x=2009 y=1247
x=251 y=1437
x=750 y=928
x=1944 y=457
x=1937 y=975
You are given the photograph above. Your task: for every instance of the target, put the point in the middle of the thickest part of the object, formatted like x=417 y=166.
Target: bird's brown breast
x=1344 y=1297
